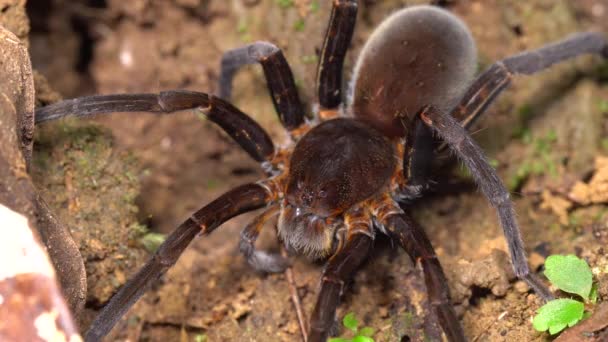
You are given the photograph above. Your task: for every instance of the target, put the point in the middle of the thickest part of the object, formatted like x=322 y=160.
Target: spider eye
x=300 y=184
x=322 y=193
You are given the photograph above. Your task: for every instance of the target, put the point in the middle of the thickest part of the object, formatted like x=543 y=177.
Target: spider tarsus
x=263 y=261
x=539 y=288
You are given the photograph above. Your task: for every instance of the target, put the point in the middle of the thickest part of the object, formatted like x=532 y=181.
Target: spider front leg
x=457 y=138
x=235 y=202
x=415 y=242
x=244 y=130
x=340 y=268
x=278 y=74
x=497 y=77
x=260 y=260
x=337 y=39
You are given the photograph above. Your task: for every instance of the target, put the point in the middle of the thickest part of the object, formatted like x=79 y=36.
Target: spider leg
x=260 y=260
x=337 y=39
x=497 y=77
x=417 y=160
x=340 y=267
x=243 y=129
x=278 y=74
x=451 y=132
x=234 y=202
x=415 y=242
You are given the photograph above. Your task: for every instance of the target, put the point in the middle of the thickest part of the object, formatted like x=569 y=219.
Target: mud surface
x=544 y=136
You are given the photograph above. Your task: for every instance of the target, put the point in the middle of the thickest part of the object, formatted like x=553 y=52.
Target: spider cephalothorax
x=335 y=166
x=339 y=182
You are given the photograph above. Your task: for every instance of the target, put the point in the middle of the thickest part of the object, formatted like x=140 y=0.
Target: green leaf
x=360 y=338
x=366 y=331
x=339 y=339
x=569 y=274
x=593 y=294
x=557 y=314
x=350 y=321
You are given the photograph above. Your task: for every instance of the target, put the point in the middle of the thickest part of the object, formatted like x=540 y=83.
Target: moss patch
x=92 y=188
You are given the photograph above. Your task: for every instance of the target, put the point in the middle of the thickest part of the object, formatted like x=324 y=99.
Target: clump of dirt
x=596 y=190
x=14 y=18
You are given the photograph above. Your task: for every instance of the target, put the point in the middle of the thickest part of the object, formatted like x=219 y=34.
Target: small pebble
x=521 y=286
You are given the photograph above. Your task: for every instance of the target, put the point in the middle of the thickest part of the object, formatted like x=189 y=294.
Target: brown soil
x=544 y=135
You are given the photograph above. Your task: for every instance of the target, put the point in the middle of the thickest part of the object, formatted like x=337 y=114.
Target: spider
x=344 y=176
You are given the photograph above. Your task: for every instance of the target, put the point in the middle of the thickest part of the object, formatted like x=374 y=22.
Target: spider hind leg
x=491 y=186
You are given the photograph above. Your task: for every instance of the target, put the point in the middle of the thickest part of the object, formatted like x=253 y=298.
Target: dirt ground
x=116 y=178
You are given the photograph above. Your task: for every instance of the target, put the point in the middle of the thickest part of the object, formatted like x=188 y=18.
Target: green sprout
x=299 y=25
x=152 y=241
x=569 y=274
x=285 y=3
x=200 y=338
x=538 y=162
x=603 y=106
x=310 y=59
x=360 y=335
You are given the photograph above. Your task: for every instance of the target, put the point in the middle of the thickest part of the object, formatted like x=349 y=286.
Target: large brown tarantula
x=340 y=180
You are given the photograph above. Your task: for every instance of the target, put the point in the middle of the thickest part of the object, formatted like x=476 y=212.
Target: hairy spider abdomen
x=336 y=165
x=418 y=56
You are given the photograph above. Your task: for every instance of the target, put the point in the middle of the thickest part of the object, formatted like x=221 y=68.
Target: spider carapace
x=333 y=168
x=345 y=174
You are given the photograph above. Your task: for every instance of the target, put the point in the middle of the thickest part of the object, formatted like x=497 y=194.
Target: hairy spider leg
x=339 y=269
x=239 y=200
x=414 y=241
x=355 y=237
x=338 y=36
x=260 y=260
x=279 y=79
x=240 y=127
x=418 y=156
x=486 y=88
x=457 y=138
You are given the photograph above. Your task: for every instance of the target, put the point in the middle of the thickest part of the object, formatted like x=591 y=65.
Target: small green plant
x=299 y=25
x=360 y=335
x=200 y=338
x=285 y=3
x=569 y=274
x=152 y=241
x=539 y=160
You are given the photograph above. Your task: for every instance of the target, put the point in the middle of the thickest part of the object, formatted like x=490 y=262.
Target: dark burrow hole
x=87 y=38
x=241 y=319
x=518 y=30
x=477 y=294
x=405 y=338
x=41 y=11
